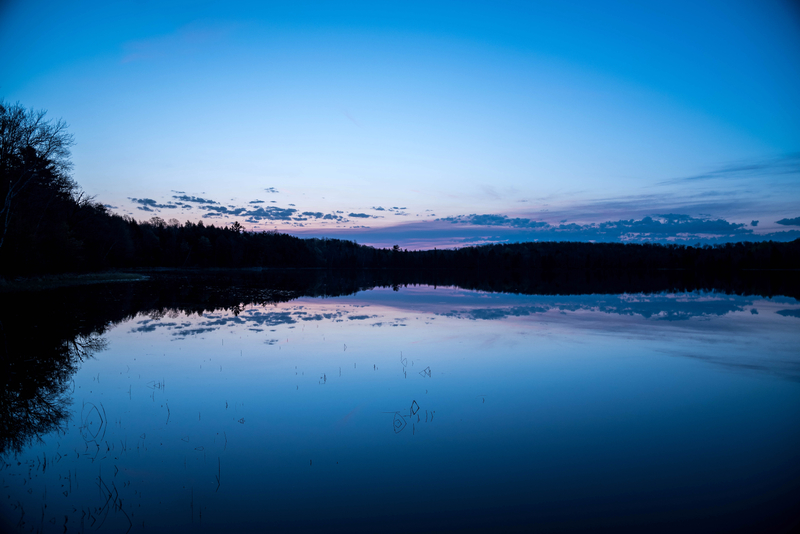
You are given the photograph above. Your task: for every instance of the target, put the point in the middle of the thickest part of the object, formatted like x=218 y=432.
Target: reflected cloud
x=753 y=361
x=193 y=331
x=489 y=314
x=654 y=307
x=150 y=326
x=253 y=318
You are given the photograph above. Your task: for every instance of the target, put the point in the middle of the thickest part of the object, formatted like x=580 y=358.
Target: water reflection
x=149 y=408
x=37 y=388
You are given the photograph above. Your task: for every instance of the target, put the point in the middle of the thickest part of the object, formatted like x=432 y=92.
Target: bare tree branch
x=32 y=148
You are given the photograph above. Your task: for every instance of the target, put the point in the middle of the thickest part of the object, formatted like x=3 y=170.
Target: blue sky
x=427 y=124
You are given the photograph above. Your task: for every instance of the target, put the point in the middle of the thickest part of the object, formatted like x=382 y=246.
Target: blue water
x=430 y=410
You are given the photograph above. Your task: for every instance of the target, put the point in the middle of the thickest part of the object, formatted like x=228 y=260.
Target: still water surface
x=427 y=409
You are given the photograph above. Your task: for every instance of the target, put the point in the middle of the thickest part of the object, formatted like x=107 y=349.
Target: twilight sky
x=427 y=124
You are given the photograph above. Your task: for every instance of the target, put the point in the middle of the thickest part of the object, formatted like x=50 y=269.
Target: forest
x=49 y=226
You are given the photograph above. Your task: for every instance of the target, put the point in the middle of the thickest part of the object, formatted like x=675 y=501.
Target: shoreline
x=41 y=283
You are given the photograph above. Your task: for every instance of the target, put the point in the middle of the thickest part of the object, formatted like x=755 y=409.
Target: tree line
x=81 y=236
x=48 y=225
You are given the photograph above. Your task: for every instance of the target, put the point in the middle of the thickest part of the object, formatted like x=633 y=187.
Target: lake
x=398 y=408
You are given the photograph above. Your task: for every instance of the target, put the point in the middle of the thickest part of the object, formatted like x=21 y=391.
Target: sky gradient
x=426 y=124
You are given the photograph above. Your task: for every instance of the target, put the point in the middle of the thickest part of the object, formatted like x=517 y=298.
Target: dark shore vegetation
x=49 y=227
x=77 y=235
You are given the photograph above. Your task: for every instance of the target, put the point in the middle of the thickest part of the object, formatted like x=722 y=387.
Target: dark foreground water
x=415 y=409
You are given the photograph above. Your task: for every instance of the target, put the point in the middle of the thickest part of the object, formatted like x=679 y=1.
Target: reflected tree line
x=46 y=335
x=39 y=358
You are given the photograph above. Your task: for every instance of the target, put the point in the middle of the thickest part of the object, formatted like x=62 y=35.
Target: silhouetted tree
x=32 y=150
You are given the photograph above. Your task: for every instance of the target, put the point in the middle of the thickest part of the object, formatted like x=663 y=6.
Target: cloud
x=379 y=208
x=739 y=203
x=270 y=213
x=359 y=215
x=490 y=191
x=315 y=214
x=271 y=190
x=669 y=226
x=790 y=222
x=467 y=230
x=197 y=200
x=256 y=202
x=782 y=165
x=351 y=118
x=494 y=220
x=754 y=223
x=223 y=210
x=252 y=215
x=150 y=203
